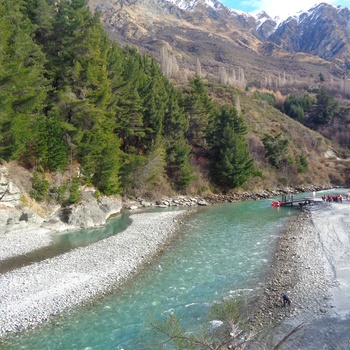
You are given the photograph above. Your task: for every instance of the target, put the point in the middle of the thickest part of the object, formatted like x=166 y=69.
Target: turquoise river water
x=221 y=250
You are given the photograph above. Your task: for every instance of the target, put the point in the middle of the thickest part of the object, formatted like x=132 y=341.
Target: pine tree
x=129 y=105
x=178 y=166
x=176 y=123
x=198 y=106
x=231 y=162
x=276 y=149
x=178 y=151
x=107 y=170
x=23 y=85
x=155 y=97
x=49 y=147
x=326 y=107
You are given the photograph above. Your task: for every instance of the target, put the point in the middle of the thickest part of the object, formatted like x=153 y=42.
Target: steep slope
x=323 y=31
x=222 y=41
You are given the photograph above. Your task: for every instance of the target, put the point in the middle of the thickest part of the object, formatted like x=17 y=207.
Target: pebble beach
x=32 y=294
x=311 y=266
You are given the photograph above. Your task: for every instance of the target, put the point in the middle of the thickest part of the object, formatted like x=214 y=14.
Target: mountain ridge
x=223 y=38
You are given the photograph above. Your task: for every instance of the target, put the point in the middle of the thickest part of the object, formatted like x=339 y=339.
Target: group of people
x=334 y=198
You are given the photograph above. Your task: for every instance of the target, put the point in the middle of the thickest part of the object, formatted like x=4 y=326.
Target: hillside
x=84 y=112
x=221 y=42
x=328 y=162
x=234 y=48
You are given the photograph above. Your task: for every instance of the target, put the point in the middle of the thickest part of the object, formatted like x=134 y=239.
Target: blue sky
x=278 y=7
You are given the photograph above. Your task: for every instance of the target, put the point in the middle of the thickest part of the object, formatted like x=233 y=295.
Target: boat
x=276 y=204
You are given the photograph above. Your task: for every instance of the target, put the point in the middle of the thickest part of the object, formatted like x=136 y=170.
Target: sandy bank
x=32 y=294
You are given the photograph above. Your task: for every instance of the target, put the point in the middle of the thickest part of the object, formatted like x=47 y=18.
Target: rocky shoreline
x=211 y=199
x=311 y=267
x=300 y=271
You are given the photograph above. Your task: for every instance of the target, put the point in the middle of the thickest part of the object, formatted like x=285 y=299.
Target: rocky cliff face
x=13 y=215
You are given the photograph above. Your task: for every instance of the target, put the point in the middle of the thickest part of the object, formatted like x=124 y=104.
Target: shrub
x=74 y=195
x=40 y=187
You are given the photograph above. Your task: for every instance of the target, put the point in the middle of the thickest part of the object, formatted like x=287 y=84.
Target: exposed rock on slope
x=15 y=215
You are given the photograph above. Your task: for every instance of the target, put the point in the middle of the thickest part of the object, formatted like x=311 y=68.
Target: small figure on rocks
x=286 y=300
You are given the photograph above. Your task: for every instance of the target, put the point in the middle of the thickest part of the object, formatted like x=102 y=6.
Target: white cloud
x=290 y=7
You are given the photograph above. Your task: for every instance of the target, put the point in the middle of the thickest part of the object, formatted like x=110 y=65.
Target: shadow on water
x=65 y=242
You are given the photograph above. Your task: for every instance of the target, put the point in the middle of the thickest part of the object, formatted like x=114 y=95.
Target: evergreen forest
x=71 y=96
x=72 y=101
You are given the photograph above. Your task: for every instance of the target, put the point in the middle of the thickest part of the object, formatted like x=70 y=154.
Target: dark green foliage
x=176 y=123
x=40 y=187
x=179 y=168
x=49 y=147
x=23 y=85
x=326 y=107
x=302 y=163
x=74 y=195
x=154 y=94
x=231 y=162
x=296 y=112
x=276 y=149
x=198 y=105
x=99 y=151
x=264 y=96
x=128 y=106
x=106 y=177
x=69 y=97
x=295 y=107
x=130 y=165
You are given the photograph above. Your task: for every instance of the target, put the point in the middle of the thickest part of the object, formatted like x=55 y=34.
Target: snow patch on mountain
x=189 y=5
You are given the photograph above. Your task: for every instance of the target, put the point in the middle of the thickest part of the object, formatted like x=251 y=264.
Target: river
x=222 y=250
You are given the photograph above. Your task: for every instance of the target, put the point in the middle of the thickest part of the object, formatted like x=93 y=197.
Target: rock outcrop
x=91 y=212
x=15 y=215
x=9 y=192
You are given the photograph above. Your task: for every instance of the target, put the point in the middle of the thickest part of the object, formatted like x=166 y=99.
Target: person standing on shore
x=286 y=300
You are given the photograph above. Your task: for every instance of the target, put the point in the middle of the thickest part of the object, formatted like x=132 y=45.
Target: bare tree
x=238 y=104
x=169 y=65
x=223 y=79
x=199 y=67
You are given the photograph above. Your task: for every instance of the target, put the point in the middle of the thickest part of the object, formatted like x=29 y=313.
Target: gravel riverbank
x=312 y=267
x=299 y=270
x=32 y=294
